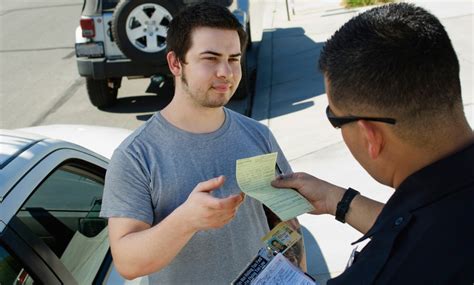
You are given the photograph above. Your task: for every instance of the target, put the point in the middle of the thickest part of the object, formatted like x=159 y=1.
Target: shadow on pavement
x=314 y=256
x=289 y=76
x=140 y=104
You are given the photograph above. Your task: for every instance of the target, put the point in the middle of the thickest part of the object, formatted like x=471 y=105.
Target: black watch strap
x=343 y=205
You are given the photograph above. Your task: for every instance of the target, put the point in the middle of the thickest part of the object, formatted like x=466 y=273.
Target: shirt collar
x=429 y=184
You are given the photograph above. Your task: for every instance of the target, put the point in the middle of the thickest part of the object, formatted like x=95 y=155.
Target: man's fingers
x=226 y=203
x=288 y=181
x=210 y=185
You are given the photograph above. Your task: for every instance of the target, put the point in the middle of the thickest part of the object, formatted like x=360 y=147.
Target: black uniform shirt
x=425 y=232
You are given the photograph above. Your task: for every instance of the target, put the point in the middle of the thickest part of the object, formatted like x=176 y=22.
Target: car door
x=56 y=235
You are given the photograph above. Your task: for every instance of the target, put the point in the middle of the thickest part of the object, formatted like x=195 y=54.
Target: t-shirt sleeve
x=283 y=164
x=127 y=189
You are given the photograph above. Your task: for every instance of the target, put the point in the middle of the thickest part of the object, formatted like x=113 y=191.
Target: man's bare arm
x=139 y=249
x=362 y=212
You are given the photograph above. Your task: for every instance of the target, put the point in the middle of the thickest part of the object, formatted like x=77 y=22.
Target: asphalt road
x=39 y=82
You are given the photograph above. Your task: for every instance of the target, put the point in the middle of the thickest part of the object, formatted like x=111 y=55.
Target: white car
x=50 y=198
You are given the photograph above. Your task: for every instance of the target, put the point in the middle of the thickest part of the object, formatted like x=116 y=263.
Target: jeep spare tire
x=139 y=28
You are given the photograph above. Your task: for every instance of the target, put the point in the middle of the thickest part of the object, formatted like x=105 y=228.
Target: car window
x=64 y=213
x=11 y=271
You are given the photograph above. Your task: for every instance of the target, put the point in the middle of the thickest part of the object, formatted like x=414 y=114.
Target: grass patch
x=360 y=3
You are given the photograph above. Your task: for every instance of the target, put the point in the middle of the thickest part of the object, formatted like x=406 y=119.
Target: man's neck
x=414 y=159
x=193 y=118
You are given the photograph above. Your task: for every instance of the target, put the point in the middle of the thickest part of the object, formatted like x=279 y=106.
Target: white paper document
x=280 y=271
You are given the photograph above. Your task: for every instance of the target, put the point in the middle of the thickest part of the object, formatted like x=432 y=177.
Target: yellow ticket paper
x=254 y=175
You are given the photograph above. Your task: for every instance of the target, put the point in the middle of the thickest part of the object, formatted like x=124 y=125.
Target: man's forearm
x=362 y=211
x=325 y=196
x=146 y=251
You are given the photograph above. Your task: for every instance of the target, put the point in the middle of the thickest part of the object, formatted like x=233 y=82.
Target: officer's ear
x=174 y=64
x=374 y=137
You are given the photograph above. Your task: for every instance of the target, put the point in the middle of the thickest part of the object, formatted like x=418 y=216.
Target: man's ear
x=173 y=63
x=374 y=138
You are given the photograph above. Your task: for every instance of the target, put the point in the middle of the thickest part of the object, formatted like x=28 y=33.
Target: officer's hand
x=322 y=195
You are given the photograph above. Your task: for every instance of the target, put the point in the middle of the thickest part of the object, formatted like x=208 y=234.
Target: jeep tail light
x=87 y=26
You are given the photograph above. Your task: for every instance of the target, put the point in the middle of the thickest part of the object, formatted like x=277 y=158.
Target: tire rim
x=146 y=27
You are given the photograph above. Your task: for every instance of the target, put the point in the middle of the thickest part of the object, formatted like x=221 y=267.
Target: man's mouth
x=221 y=87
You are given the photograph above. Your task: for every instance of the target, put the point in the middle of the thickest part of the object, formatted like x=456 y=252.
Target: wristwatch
x=343 y=205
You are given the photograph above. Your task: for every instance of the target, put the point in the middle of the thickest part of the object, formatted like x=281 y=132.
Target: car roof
x=18 y=153
x=12 y=144
x=21 y=151
x=101 y=140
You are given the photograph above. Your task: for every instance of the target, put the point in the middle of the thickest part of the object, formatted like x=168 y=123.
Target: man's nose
x=225 y=70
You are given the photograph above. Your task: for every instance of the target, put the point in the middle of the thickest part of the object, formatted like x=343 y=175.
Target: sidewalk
x=290 y=99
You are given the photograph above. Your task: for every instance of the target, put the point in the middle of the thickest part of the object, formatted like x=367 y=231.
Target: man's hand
x=322 y=195
x=136 y=244
x=203 y=211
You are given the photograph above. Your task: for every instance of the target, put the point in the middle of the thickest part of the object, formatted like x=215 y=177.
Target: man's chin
x=216 y=103
x=218 y=99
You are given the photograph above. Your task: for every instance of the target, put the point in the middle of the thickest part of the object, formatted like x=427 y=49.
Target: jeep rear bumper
x=100 y=68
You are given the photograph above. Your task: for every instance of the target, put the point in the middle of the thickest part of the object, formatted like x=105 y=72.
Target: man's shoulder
x=434 y=225
x=143 y=135
x=243 y=120
x=456 y=204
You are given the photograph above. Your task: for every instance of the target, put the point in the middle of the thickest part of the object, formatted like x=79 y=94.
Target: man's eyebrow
x=219 y=54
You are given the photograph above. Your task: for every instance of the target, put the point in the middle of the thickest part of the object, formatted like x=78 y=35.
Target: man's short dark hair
x=196 y=16
x=396 y=60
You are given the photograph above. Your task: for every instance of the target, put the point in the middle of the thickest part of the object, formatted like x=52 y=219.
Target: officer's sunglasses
x=338 y=122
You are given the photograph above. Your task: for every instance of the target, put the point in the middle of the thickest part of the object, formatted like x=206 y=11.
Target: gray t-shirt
x=153 y=171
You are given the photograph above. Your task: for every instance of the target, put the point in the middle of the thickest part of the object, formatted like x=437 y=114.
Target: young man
x=392 y=80
x=158 y=225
